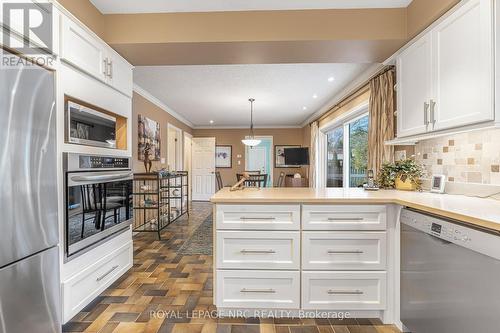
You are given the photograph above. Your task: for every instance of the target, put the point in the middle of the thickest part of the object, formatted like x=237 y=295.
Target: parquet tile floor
x=163 y=290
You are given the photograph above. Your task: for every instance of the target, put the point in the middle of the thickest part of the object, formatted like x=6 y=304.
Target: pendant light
x=250 y=140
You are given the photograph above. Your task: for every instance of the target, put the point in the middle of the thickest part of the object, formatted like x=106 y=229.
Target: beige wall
x=86 y=12
x=421 y=13
x=233 y=137
x=142 y=106
x=297 y=36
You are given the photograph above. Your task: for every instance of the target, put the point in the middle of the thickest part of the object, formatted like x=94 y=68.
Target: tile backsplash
x=472 y=157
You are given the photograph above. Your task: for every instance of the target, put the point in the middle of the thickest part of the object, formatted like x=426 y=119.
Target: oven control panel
x=103 y=162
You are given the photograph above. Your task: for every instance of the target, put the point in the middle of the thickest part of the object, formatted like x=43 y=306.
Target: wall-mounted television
x=296 y=156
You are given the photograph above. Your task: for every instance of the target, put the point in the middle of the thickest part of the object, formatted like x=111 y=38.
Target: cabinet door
x=120 y=73
x=463 y=67
x=414 y=87
x=82 y=50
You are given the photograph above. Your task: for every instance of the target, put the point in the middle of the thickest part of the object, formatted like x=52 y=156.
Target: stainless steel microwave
x=89 y=126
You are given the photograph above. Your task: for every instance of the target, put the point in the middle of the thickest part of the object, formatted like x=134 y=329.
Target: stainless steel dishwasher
x=450 y=276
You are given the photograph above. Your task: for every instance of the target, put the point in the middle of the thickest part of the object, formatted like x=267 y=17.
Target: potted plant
x=402 y=175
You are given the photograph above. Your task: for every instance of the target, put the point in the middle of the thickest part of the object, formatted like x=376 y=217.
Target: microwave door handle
x=102 y=178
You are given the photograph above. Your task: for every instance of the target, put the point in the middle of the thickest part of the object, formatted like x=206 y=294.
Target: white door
x=174 y=148
x=188 y=141
x=203 y=165
x=414 y=88
x=256 y=159
x=463 y=66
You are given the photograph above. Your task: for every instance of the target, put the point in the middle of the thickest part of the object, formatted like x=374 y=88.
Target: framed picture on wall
x=149 y=134
x=223 y=156
x=279 y=156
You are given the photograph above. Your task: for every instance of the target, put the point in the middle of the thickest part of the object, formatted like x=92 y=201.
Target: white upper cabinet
x=446 y=78
x=414 y=87
x=94 y=57
x=119 y=73
x=463 y=67
x=82 y=50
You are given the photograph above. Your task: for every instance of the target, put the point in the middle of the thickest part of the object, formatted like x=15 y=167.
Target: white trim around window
x=342 y=121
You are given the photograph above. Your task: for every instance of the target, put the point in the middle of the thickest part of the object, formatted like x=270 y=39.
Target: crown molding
x=147 y=95
x=246 y=127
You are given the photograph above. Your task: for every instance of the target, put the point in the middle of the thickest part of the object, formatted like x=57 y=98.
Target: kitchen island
x=321 y=252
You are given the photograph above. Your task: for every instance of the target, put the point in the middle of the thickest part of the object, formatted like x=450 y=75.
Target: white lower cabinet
x=344 y=250
x=258 y=289
x=258 y=217
x=344 y=217
x=344 y=290
x=258 y=249
x=81 y=288
x=311 y=257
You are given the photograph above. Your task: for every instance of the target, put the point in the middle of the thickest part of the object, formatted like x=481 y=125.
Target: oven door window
x=96 y=210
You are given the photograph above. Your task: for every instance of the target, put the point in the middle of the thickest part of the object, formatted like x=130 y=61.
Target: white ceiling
x=166 y=6
x=220 y=92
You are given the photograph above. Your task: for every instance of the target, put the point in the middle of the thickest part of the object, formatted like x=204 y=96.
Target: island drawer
x=258 y=217
x=344 y=250
x=258 y=249
x=344 y=290
x=258 y=289
x=344 y=217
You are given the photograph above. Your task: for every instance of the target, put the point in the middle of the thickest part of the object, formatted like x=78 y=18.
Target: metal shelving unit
x=159 y=200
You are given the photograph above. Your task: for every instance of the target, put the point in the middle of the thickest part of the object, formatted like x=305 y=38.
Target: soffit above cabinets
x=174 y=6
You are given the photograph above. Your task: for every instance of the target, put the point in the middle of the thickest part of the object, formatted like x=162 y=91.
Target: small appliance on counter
x=98 y=200
x=370 y=185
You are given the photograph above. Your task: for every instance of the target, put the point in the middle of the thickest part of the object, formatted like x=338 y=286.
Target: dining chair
x=259 y=180
x=218 y=178
x=281 y=180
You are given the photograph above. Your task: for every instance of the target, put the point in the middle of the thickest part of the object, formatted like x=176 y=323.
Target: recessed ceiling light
x=304 y=108
x=315 y=96
x=211 y=121
x=331 y=79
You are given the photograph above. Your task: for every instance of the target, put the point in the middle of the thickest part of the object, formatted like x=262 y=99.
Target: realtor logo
x=28 y=27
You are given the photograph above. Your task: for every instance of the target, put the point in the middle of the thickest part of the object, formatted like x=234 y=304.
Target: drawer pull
x=345 y=219
x=346 y=252
x=257 y=218
x=258 y=251
x=261 y=291
x=345 y=292
x=107 y=273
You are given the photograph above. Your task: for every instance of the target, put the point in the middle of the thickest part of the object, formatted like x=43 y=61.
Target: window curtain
x=381 y=127
x=313 y=155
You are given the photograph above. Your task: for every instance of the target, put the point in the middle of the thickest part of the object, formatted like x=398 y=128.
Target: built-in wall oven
x=89 y=125
x=98 y=200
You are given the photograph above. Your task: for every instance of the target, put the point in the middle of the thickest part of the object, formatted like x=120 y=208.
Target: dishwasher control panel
x=477 y=240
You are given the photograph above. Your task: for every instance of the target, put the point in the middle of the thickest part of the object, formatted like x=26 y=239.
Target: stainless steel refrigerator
x=29 y=256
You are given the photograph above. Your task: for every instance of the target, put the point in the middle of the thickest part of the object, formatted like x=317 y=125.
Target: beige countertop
x=472 y=210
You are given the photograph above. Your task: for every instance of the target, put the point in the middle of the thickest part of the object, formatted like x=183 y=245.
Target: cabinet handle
x=105 y=71
x=110 y=69
x=258 y=251
x=345 y=292
x=346 y=252
x=262 y=291
x=107 y=273
x=426 y=113
x=345 y=219
x=257 y=218
x=433 y=105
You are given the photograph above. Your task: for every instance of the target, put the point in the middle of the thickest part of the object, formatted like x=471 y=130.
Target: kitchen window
x=347 y=152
